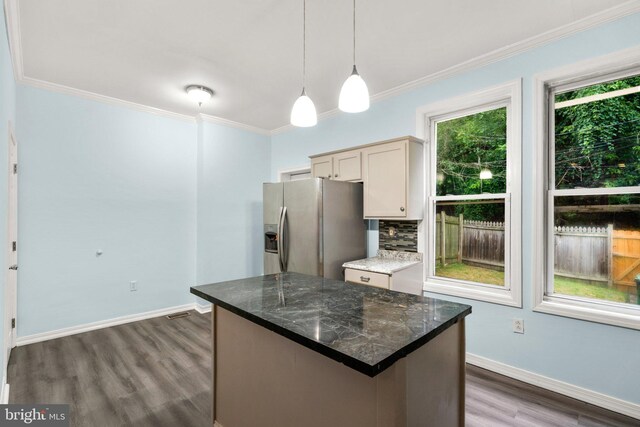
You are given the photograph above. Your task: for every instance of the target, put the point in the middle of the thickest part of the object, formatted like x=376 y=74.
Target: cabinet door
x=322 y=167
x=385 y=180
x=348 y=166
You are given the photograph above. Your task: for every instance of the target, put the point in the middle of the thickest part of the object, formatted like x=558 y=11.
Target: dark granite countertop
x=364 y=327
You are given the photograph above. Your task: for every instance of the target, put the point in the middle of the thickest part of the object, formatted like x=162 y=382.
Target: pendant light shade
x=354 y=95
x=303 y=113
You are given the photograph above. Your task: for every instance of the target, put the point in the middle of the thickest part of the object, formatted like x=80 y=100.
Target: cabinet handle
x=401 y=209
x=335 y=176
x=365 y=279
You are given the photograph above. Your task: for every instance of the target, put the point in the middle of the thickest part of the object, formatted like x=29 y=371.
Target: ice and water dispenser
x=271 y=238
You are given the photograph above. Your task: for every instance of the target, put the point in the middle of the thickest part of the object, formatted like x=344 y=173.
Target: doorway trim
x=11 y=285
x=285 y=175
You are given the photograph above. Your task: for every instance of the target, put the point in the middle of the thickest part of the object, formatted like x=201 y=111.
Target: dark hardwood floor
x=157 y=372
x=493 y=400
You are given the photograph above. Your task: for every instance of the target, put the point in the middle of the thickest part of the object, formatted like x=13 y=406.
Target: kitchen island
x=297 y=350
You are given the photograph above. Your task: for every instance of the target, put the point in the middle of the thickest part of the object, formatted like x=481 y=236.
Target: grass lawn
x=471 y=273
x=562 y=285
x=581 y=288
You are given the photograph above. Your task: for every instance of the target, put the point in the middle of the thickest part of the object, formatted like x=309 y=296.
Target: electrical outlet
x=133 y=285
x=518 y=326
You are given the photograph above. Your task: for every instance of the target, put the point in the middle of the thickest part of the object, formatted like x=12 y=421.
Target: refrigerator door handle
x=280 y=240
x=284 y=240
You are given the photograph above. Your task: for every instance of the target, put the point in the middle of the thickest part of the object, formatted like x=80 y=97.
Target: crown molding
x=15 y=46
x=612 y=14
x=505 y=52
x=321 y=116
x=12 y=19
x=67 y=90
x=231 y=123
x=282 y=129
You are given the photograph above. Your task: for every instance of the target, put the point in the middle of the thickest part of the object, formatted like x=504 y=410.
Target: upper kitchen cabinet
x=391 y=171
x=341 y=166
x=393 y=179
x=322 y=167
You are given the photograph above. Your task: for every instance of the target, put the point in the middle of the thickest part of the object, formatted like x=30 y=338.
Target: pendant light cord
x=304 y=44
x=354 y=32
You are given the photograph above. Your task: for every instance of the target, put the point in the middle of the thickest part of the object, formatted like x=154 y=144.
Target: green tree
x=466 y=146
x=597 y=143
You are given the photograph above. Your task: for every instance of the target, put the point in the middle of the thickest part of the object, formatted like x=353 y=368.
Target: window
x=591 y=235
x=473 y=196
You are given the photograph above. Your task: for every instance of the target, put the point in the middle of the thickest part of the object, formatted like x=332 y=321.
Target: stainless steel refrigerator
x=312 y=226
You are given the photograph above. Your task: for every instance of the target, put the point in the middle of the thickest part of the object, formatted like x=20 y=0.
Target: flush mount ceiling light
x=199 y=93
x=303 y=113
x=354 y=95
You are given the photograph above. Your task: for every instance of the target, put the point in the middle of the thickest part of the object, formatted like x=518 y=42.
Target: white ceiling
x=250 y=51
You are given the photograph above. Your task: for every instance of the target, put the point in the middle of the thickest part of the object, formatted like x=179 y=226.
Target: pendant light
x=303 y=113
x=354 y=95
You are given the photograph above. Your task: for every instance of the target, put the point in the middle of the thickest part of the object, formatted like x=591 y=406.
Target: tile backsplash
x=398 y=235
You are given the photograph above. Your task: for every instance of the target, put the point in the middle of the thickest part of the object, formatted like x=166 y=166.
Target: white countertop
x=386 y=262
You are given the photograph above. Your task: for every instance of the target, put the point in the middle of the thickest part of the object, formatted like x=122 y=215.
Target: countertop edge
x=335 y=355
x=362 y=367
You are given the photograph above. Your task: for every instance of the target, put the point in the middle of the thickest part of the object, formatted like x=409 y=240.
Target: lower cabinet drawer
x=366 y=278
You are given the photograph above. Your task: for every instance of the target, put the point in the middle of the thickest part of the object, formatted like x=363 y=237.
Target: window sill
x=592 y=312
x=494 y=295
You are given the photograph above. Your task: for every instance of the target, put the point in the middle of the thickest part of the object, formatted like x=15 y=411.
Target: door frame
x=284 y=175
x=11 y=289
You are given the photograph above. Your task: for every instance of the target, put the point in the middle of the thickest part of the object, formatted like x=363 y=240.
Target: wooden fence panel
x=450 y=224
x=587 y=253
x=626 y=256
x=483 y=243
x=582 y=253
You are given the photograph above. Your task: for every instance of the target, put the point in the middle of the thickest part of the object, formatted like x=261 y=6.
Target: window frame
x=507 y=95
x=614 y=66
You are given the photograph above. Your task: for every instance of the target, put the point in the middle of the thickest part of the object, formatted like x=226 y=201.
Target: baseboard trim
x=202 y=309
x=4 y=392
x=45 y=336
x=589 y=396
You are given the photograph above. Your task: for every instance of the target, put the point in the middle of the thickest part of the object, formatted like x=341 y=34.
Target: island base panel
x=262 y=378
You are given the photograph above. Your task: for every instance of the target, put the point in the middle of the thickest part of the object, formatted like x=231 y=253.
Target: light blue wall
x=232 y=165
x=170 y=204
x=590 y=355
x=7 y=113
x=99 y=177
